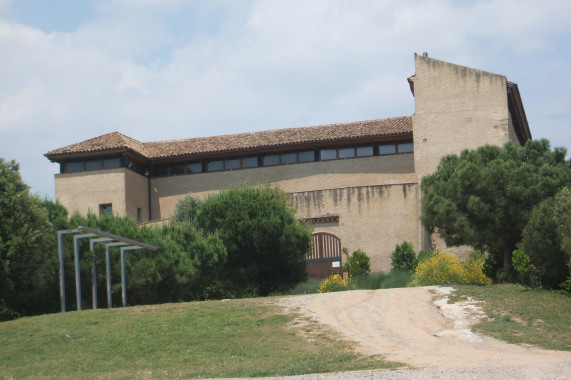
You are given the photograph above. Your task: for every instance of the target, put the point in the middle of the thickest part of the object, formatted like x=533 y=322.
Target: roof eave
x=281 y=147
x=517 y=111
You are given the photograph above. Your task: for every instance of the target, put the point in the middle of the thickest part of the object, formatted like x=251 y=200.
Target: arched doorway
x=324 y=257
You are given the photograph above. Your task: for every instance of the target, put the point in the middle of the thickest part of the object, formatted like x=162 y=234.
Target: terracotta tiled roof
x=109 y=142
x=397 y=126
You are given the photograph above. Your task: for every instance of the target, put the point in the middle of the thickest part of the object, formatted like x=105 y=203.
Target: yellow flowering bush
x=444 y=269
x=333 y=283
x=474 y=271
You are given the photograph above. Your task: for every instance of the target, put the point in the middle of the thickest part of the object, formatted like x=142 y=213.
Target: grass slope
x=520 y=315
x=236 y=338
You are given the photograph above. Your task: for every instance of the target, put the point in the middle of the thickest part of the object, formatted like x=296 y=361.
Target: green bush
x=357 y=264
x=423 y=256
x=383 y=280
x=444 y=269
x=403 y=257
x=529 y=274
x=333 y=283
x=266 y=244
x=306 y=287
x=542 y=243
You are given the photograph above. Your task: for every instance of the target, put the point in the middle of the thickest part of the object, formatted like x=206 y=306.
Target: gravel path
x=407 y=325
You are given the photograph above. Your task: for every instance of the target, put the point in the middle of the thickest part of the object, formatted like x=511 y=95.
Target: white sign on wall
x=336 y=264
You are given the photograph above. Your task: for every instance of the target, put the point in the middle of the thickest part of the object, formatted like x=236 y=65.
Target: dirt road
x=407 y=325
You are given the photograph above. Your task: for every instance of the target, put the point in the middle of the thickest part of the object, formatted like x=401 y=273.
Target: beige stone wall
x=456 y=108
x=85 y=191
x=372 y=218
x=392 y=169
x=136 y=189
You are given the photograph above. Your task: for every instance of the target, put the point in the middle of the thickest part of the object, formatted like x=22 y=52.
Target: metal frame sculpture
x=110 y=241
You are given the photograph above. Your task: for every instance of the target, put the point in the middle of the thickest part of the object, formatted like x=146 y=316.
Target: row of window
x=286 y=158
x=180 y=168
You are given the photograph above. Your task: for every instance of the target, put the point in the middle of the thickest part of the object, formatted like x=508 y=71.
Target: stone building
x=358 y=183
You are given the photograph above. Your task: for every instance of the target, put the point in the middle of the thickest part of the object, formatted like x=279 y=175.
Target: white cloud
x=174 y=69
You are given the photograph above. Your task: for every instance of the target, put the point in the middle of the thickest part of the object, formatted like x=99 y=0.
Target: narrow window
x=387 y=149
x=328 y=154
x=112 y=163
x=346 y=152
x=307 y=156
x=272 y=159
x=214 y=166
x=93 y=164
x=364 y=151
x=106 y=208
x=406 y=147
x=289 y=158
x=194 y=167
x=139 y=215
x=75 y=166
x=232 y=164
x=177 y=169
x=160 y=170
x=250 y=162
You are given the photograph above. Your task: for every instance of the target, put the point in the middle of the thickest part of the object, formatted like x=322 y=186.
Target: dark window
x=272 y=159
x=93 y=165
x=76 y=166
x=106 y=209
x=160 y=170
x=387 y=149
x=250 y=162
x=231 y=164
x=328 y=154
x=139 y=215
x=307 y=156
x=346 y=152
x=112 y=163
x=177 y=169
x=289 y=158
x=194 y=167
x=214 y=166
x=364 y=151
x=406 y=147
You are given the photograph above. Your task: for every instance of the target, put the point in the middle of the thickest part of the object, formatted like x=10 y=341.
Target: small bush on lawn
x=529 y=274
x=306 y=287
x=357 y=264
x=383 y=280
x=333 y=283
x=403 y=257
x=444 y=269
x=423 y=256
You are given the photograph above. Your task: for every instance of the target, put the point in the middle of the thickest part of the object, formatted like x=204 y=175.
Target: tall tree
x=24 y=248
x=484 y=197
x=266 y=244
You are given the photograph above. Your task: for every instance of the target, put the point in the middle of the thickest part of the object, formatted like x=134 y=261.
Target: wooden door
x=324 y=257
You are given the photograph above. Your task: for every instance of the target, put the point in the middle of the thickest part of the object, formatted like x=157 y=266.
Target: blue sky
x=170 y=69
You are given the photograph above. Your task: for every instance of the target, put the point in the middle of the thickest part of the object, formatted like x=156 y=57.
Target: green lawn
x=235 y=338
x=520 y=315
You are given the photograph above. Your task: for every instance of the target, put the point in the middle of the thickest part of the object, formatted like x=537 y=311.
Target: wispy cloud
x=176 y=69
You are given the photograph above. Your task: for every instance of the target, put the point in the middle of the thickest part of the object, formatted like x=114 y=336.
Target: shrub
x=543 y=244
x=529 y=274
x=357 y=264
x=306 y=287
x=333 y=283
x=403 y=257
x=423 y=256
x=474 y=270
x=443 y=269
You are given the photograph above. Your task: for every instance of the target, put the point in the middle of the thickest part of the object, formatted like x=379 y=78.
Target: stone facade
x=371 y=202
